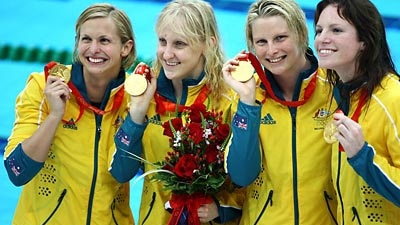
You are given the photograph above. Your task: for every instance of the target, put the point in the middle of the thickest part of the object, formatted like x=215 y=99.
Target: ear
x=362 y=46
x=126 y=49
x=213 y=41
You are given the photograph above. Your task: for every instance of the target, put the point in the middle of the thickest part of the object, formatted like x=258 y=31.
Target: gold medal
x=136 y=84
x=60 y=70
x=244 y=71
x=330 y=131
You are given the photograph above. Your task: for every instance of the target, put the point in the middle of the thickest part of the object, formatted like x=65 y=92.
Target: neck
x=178 y=88
x=287 y=82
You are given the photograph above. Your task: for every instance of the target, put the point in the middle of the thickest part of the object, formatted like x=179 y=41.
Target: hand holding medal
x=244 y=71
x=58 y=70
x=136 y=83
x=331 y=130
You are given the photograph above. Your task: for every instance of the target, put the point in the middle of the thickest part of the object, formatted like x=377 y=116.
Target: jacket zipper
x=339 y=192
x=60 y=199
x=153 y=199
x=269 y=201
x=112 y=212
x=327 y=199
x=355 y=215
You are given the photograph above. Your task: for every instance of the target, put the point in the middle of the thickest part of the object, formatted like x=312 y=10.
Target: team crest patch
x=15 y=167
x=123 y=137
x=240 y=122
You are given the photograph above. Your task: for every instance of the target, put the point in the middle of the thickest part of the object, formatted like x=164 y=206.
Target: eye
x=180 y=44
x=281 y=38
x=162 y=42
x=105 y=40
x=85 y=39
x=261 y=42
x=336 y=30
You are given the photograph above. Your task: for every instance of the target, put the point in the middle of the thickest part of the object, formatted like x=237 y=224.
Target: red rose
x=185 y=166
x=176 y=123
x=222 y=131
x=211 y=154
x=195 y=132
x=195 y=112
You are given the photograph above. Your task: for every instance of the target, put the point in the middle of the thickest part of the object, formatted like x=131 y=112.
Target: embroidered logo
x=123 y=137
x=70 y=125
x=15 y=167
x=240 y=122
x=268 y=119
x=156 y=119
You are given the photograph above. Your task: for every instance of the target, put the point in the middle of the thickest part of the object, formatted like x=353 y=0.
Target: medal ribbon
x=261 y=74
x=163 y=105
x=82 y=102
x=361 y=102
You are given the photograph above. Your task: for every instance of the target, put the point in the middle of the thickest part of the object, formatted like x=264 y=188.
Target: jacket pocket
x=355 y=215
x=153 y=199
x=328 y=199
x=60 y=199
x=268 y=202
x=112 y=212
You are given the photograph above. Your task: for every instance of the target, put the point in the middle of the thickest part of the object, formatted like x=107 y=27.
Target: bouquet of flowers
x=194 y=168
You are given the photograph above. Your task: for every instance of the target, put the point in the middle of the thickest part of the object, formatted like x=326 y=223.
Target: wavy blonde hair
x=198 y=25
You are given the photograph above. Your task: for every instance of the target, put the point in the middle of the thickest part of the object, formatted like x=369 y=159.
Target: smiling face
x=276 y=46
x=179 y=58
x=337 y=43
x=99 y=47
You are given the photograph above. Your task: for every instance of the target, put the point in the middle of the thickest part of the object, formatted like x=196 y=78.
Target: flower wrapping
x=185 y=208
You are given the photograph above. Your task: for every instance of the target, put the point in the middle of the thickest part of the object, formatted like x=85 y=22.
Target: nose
x=272 y=49
x=322 y=37
x=94 y=47
x=168 y=52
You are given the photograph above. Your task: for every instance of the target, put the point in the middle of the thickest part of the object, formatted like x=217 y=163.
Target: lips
x=325 y=51
x=276 y=60
x=172 y=63
x=95 y=60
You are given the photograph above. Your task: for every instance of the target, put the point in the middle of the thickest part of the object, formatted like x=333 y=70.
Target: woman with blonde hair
x=62 y=144
x=285 y=164
x=188 y=70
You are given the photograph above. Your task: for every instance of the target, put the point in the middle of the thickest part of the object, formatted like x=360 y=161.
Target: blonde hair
x=122 y=22
x=289 y=10
x=198 y=24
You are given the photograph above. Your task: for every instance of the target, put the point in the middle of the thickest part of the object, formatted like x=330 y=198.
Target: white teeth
x=276 y=60
x=325 y=51
x=95 y=60
x=172 y=63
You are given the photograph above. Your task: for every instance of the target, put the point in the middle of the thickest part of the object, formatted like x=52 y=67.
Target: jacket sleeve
x=128 y=142
x=243 y=157
x=31 y=110
x=20 y=168
x=377 y=173
x=378 y=162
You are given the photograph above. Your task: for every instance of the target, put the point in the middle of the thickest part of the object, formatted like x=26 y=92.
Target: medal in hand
x=136 y=83
x=61 y=71
x=244 y=71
